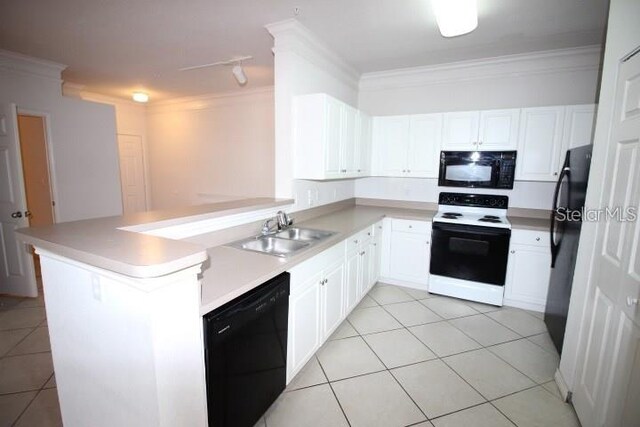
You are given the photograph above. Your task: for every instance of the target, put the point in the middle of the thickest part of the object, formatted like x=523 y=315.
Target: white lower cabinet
x=410 y=252
x=353 y=274
x=316 y=305
x=528 y=270
x=304 y=323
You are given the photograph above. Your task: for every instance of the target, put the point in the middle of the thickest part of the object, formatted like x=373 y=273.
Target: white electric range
x=470 y=247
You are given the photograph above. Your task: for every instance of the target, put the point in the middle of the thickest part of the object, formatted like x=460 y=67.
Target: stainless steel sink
x=284 y=243
x=271 y=245
x=304 y=234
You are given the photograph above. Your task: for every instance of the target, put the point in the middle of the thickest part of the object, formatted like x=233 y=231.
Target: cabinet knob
x=537 y=239
x=513 y=252
x=380 y=227
x=632 y=301
x=428 y=242
x=480 y=143
x=368 y=233
x=411 y=226
x=355 y=241
x=359 y=170
x=555 y=173
x=375 y=244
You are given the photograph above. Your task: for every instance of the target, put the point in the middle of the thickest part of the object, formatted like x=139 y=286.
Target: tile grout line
x=335 y=396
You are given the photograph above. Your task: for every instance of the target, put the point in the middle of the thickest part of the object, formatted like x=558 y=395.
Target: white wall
x=530 y=80
x=303 y=64
x=211 y=148
x=131 y=119
x=85 y=171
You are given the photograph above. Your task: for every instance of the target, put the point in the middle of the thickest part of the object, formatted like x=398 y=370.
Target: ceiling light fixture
x=140 y=97
x=237 y=70
x=456 y=17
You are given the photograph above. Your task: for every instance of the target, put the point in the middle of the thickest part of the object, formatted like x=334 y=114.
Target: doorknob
x=28 y=214
x=16 y=215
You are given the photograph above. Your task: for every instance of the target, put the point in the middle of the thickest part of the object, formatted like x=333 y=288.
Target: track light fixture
x=237 y=70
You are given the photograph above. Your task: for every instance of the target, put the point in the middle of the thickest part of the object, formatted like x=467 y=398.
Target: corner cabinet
x=528 y=270
x=407 y=146
x=330 y=138
x=546 y=133
x=481 y=130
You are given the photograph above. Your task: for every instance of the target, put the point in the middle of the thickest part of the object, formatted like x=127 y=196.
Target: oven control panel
x=474 y=200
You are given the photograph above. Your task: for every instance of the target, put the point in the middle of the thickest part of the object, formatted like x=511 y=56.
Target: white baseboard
x=524 y=305
x=413 y=285
x=565 y=393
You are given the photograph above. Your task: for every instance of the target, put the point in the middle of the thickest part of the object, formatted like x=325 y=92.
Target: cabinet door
x=528 y=273
x=348 y=162
x=333 y=135
x=352 y=276
x=425 y=137
x=539 y=144
x=377 y=255
x=304 y=325
x=499 y=129
x=579 y=121
x=391 y=139
x=409 y=257
x=363 y=144
x=460 y=131
x=332 y=298
x=365 y=260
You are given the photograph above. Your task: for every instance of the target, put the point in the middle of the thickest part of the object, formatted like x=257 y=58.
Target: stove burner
x=491 y=217
x=486 y=219
x=449 y=215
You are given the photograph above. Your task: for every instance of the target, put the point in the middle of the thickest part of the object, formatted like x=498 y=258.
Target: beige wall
x=211 y=148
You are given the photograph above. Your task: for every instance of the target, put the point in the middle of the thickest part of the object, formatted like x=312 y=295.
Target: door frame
x=49 y=149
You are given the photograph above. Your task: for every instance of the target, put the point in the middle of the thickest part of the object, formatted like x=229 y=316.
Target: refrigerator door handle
x=554 y=246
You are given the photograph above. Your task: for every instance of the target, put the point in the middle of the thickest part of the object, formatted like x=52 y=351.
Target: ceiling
x=116 y=46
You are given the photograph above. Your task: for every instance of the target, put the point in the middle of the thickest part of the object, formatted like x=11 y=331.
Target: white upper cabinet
x=578 y=126
x=407 y=145
x=460 y=131
x=390 y=144
x=425 y=135
x=481 y=130
x=328 y=138
x=499 y=129
x=539 y=143
x=363 y=143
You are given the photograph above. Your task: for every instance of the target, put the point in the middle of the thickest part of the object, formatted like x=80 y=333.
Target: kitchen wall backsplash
x=525 y=194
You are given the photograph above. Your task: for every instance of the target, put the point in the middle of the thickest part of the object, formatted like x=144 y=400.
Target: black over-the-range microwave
x=477 y=169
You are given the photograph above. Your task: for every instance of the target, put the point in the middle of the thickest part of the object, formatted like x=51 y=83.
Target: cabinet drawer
x=411 y=226
x=530 y=237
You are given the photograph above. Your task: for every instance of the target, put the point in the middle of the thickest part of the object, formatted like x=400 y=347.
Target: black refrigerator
x=566 y=222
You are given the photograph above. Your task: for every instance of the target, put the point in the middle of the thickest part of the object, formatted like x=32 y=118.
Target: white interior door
x=16 y=264
x=606 y=392
x=134 y=192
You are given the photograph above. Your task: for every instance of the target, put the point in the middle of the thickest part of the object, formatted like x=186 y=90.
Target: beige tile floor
x=28 y=394
x=402 y=358
x=408 y=358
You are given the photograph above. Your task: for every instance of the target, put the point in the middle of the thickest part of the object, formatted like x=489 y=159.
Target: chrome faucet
x=266 y=228
x=283 y=220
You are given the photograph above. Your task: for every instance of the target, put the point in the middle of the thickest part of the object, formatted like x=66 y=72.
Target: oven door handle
x=475 y=229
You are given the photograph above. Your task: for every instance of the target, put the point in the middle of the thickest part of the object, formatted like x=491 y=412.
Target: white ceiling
x=116 y=46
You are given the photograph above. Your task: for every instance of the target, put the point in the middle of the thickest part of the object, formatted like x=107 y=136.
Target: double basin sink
x=284 y=243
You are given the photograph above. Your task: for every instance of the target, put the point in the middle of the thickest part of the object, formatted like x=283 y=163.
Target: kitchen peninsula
x=125 y=297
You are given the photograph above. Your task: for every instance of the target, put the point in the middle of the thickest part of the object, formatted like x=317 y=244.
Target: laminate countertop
x=119 y=244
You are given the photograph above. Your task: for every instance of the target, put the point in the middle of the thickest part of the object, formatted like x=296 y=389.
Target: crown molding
x=290 y=36
x=28 y=65
x=553 y=61
x=207 y=101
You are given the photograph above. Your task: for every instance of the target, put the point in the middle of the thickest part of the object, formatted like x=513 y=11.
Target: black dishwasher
x=246 y=354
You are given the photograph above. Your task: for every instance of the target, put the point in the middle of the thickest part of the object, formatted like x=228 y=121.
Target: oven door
x=469 y=252
x=465 y=173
